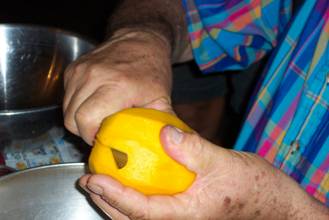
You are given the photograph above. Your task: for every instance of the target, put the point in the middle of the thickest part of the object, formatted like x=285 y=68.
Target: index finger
x=134 y=204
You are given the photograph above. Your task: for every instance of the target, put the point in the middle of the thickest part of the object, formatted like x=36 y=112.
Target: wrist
x=157 y=41
x=182 y=53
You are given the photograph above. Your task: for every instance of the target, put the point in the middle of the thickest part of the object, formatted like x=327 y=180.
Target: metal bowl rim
x=51 y=29
x=78 y=164
x=12 y=112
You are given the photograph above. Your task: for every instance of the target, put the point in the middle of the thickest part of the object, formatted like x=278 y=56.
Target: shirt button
x=294 y=146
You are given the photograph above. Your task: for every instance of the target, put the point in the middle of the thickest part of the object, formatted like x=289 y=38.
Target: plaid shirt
x=288 y=123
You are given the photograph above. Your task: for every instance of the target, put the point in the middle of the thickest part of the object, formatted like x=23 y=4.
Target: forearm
x=164 y=19
x=272 y=194
x=310 y=209
x=303 y=206
x=289 y=201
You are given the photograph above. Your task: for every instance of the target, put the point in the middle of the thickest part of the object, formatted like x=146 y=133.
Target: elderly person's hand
x=229 y=185
x=131 y=69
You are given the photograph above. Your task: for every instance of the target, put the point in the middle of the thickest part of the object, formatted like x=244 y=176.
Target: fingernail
x=175 y=135
x=95 y=189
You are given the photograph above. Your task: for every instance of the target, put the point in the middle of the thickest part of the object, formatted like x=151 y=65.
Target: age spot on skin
x=257 y=213
x=227 y=201
x=240 y=206
x=263 y=173
x=256 y=177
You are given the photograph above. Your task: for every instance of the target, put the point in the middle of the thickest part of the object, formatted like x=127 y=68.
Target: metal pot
x=32 y=62
x=48 y=192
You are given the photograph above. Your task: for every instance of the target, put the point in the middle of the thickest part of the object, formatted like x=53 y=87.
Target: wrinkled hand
x=229 y=185
x=132 y=69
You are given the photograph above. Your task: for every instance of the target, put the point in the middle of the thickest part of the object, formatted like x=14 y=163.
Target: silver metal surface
x=32 y=62
x=46 y=193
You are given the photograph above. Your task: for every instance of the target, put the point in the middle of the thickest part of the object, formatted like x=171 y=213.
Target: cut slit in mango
x=120 y=158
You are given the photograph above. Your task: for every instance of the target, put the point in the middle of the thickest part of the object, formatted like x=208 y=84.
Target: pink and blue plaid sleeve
x=232 y=34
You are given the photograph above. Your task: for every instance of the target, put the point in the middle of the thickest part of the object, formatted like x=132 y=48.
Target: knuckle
x=85 y=69
x=111 y=201
x=74 y=70
x=68 y=73
x=69 y=125
x=94 y=69
x=198 y=147
x=197 y=142
x=69 y=67
x=134 y=215
x=82 y=117
x=79 y=67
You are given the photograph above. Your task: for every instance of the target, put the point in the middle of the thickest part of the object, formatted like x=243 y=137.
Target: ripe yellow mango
x=128 y=148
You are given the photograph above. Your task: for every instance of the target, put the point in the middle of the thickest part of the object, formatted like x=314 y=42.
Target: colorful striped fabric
x=288 y=124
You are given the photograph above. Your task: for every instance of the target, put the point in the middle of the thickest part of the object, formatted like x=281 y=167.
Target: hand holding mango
x=128 y=148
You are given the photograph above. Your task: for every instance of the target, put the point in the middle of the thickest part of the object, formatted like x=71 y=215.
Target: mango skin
x=136 y=132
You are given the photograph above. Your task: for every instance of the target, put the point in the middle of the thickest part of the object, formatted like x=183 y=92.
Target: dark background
x=87 y=18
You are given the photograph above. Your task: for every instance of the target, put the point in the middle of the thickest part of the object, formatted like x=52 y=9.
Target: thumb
x=188 y=149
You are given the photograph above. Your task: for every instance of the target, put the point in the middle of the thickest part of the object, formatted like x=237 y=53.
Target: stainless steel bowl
x=48 y=192
x=32 y=62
